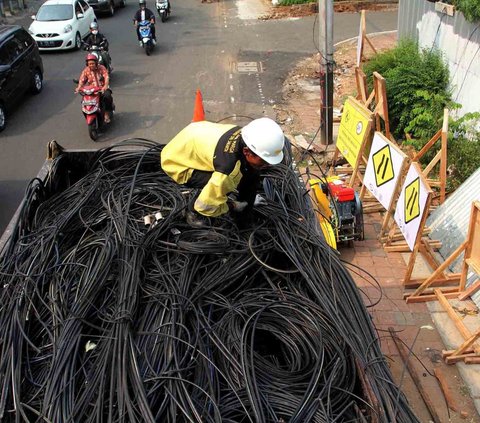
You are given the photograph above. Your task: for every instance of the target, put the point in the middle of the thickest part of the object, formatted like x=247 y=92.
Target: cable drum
x=107 y=319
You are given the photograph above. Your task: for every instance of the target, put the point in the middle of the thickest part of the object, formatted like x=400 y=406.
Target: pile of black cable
x=107 y=319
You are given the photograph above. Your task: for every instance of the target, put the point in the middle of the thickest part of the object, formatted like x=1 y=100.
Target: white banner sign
x=384 y=167
x=411 y=205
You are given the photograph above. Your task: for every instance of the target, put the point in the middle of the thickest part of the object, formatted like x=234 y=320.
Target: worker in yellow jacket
x=221 y=159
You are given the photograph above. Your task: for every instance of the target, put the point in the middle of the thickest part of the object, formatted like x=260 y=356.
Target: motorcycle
x=103 y=55
x=163 y=8
x=144 y=27
x=92 y=109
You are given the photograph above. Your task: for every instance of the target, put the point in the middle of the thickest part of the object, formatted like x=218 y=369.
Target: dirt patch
x=357 y=6
x=300 y=111
x=300 y=10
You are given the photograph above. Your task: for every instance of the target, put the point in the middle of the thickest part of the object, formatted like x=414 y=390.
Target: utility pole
x=325 y=19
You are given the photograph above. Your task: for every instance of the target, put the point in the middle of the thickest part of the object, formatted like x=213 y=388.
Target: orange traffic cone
x=198 y=112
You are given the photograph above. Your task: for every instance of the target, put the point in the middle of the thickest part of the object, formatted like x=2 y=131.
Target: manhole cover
x=249 y=67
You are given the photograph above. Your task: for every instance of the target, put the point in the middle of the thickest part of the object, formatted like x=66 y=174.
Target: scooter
x=92 y=109
x=144 y=27
x=163 y=8
x=102 y=55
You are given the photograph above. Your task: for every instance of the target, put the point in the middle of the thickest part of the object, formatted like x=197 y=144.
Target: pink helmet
x=91 y=56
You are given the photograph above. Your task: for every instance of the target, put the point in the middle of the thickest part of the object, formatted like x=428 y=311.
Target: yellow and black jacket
x=210 y=147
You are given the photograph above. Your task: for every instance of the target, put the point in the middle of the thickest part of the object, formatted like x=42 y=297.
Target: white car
x=61 y=24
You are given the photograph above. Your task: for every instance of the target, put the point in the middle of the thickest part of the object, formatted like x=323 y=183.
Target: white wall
x=459 y=41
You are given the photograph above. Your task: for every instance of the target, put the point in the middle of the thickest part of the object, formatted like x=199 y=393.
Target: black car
x=21 y=67
x=106 y=6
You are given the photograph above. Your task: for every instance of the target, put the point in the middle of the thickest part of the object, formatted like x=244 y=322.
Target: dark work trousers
x=107 y=100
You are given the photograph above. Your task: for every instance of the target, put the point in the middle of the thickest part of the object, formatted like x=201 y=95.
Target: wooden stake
x=471 y=259
x=439 y=270
x=441 y=157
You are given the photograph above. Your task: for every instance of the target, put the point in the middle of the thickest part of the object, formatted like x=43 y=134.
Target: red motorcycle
x=92 y=109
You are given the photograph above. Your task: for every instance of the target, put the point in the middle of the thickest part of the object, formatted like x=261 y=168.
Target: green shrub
x=417 y=88
x=417 y=92
x=463 y=149
x=469 y=8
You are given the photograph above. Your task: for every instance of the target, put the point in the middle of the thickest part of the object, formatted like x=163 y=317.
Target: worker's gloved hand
x=237 y=206
x=259 y=201
x=196 y=220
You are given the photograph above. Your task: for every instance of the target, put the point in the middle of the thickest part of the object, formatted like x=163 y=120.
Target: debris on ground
x=299 y=113
x=307 y=9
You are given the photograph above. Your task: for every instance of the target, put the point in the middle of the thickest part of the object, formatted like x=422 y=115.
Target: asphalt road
x=201 y=46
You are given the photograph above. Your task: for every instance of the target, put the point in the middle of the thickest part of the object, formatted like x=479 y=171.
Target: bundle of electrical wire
x=107 y=319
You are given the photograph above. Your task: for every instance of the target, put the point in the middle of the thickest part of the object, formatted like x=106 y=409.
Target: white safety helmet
x=265 y=138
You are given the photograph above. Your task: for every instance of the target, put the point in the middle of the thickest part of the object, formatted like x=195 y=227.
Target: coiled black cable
x=106 y=319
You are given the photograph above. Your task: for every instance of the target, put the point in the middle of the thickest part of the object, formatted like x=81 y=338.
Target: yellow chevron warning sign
x=383 y=166
x=412 y=200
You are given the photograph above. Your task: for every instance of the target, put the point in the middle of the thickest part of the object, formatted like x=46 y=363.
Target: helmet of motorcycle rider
x=94 y=28
x=142 y=3
x=265 y=138
x=91 y=57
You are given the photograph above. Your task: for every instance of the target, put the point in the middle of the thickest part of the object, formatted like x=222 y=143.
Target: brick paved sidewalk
x=413 y=323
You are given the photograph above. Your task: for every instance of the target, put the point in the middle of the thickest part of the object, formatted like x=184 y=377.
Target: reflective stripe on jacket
x=211 y=147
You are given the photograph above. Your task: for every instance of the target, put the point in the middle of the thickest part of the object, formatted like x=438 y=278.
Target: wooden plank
x=447 y=353
x=447 y=281
x=431 y=291
x=469 y=291
x=440 y=269
x=443 y=160
x=432 y=164
x=467 y=344
x=370 y=44
x=402 y=247
x=474 y=264
x=431 y=297
x=362 y=86
x=456 y=358
x=472 y=250
x=368 y=390
x=466 y=334
x=429 y=255
x=415 y=377
x=427 y=146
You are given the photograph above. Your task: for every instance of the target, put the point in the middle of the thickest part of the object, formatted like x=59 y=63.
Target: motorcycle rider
x=96 y=75
x=169 y=7
x=96 y=38
x=144 y=14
